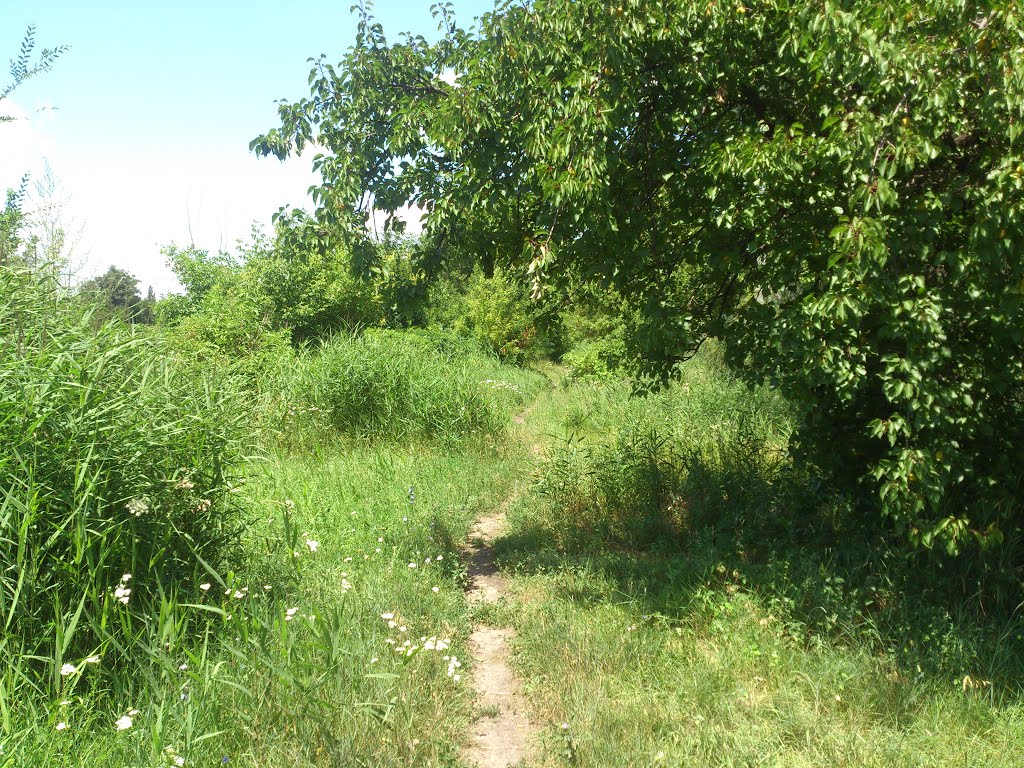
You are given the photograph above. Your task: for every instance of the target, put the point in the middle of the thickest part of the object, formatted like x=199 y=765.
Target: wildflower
x=123 y=723
x=412 y=565
x=380 y=539
x=453 y=664
x=137 y=507
x=348 y=559
x=205 y=586
x=184 y=484
x=203 y=505
x=92 y=660
x=240 y=593
x=182 y=667
x=290 y=614
x=377 y=550
x=312 y=545
x=68 y=669
x=374 y=660
x=267 y=587
x=289 y=505
x=435 y=590
x=565 y=726
x=126 y=578
x=122 y=594
x=387 y=616
x=392 y=624
x=439 y=558
x=65 y=703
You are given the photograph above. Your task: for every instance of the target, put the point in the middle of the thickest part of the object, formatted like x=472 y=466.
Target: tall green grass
x=115 y=476
x=193 y=565
x=689 y=596
x=385 y=384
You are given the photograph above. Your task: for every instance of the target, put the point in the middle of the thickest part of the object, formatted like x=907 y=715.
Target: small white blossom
x=137 y=507
x=61 y=726
x=313 y=546
x=205 y=586
x=123 y=723
x=68 y=669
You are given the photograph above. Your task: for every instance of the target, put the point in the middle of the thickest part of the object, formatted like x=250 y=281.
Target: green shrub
x=115 y=475
x=496 y=311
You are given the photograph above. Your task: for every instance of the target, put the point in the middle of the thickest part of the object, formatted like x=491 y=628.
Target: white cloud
x=24 y=143
x=128 y=204
x=137 y=205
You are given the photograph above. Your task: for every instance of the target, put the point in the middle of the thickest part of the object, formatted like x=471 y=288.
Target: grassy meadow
x=257 y=563
x=684 y=596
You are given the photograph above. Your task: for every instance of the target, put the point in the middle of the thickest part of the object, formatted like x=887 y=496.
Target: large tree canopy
x=835 y=188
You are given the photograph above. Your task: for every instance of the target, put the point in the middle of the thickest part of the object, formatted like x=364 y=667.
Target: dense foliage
x=833 y=188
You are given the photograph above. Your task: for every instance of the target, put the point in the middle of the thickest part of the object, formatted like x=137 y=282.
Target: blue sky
x=146 y=121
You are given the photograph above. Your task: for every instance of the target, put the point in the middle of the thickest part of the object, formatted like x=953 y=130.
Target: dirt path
x=501 y=737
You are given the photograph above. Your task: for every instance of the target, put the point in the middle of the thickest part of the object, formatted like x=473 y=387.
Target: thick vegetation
x=764 y=501
x=835 y=189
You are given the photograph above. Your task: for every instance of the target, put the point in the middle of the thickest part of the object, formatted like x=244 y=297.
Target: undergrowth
x=195 y=562
x=690 y=596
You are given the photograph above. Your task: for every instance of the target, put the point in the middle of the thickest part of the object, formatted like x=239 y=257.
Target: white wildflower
x=68 y=669
x=137 y=507
x=123 y=723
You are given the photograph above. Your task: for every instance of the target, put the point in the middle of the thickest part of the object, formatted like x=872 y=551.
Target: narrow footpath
x=503 y=734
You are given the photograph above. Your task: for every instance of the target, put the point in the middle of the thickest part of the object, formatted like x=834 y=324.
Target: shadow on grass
x=668 y=538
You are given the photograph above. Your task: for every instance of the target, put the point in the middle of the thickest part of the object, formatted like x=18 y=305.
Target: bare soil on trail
x=502 y=736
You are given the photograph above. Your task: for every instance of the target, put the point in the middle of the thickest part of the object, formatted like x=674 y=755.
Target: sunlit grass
x=672 y=608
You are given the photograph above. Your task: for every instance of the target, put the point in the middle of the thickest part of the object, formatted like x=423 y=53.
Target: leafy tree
x=835 y=188
x=12 y=220
x=118 y=292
